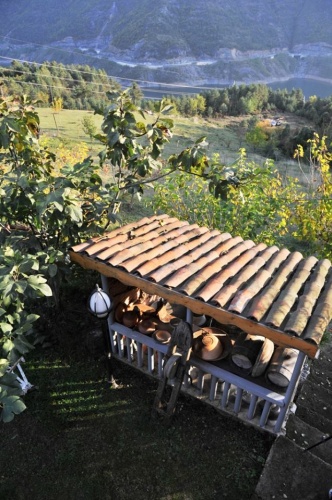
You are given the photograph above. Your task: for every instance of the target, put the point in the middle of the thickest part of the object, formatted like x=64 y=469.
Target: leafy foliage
x=20 y=282
x=134 y=147
x=88 y=126
x=12 y=405
x=256 y=203
x=243 y=198
x=43 y=211
x=313 y=213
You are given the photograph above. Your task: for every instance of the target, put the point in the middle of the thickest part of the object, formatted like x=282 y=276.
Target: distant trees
x=79 y=86
x=256 y=136
x=240 y=100
x=190 y=105
x=258 y=99
x=319 y=112
x=135 y=93
x=285 y=100
x=57 y=104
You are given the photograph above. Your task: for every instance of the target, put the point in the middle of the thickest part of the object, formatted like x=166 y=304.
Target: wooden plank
x=224 y=317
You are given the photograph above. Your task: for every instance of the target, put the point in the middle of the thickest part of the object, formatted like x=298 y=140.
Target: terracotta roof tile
x=273 y=287
x=181 y=263
x=299 y=317
x=241 y=278
x=171 y=250
x=215 y=283
x=265 y=299
x=287 y=298
x=246 y=293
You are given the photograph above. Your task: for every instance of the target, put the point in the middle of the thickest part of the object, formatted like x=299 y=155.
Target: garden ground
x=81 y=439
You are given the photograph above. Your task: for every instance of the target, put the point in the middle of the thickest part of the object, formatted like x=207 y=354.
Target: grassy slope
x=220 y=135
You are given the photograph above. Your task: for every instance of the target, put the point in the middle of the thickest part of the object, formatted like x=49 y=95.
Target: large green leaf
x=20 y=286
x=5 y=328
x=112 y=138
x=8 y=346
x=4 y=364
x=14 y=125
x=166 y=108
x=32 y=317
x=52 y=270
x=35 y=280
x=11 y=405
x=9 y=382
x=38 y=283
x=28 y=265
x=74 y=212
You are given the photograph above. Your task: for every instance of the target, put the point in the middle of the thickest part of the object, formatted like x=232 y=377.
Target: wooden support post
x=175 y=363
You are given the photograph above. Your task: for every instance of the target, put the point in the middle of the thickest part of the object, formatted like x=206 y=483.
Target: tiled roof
x=287 y=295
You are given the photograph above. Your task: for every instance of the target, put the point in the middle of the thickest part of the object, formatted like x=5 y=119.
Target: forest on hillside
x=78 y=86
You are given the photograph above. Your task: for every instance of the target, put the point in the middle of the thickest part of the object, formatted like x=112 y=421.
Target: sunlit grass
x=66 y=123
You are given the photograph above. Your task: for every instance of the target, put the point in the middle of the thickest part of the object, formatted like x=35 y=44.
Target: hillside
x=174 y=40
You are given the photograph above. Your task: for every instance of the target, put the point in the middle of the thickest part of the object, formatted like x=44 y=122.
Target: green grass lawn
x=80 y=439
x=67 y=124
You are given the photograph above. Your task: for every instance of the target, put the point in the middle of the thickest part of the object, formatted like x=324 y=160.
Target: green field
x=65 y=124
x=222 y=136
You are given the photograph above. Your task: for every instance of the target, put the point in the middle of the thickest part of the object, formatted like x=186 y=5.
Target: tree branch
x=146 y=181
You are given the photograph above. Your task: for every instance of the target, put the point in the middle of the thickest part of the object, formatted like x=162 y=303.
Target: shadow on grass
x=81 y=439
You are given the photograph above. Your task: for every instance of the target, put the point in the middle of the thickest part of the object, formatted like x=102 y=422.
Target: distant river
x=308 y=87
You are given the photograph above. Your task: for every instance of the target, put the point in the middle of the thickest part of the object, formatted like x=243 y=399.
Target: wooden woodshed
x=250 y=291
